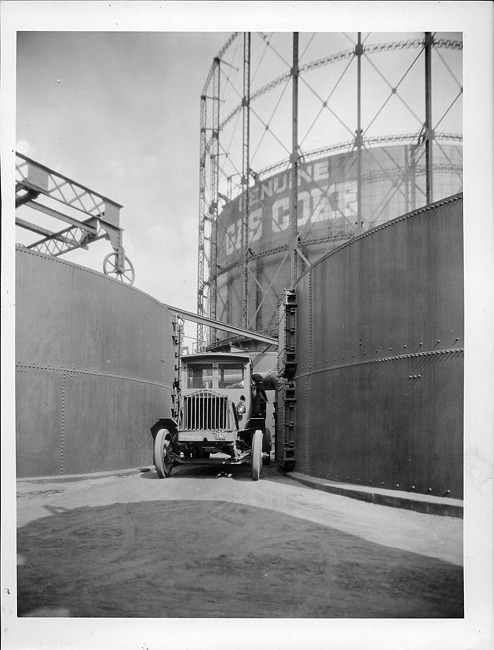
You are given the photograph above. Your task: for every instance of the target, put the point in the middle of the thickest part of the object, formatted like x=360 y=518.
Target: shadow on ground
x=217 y=559
x=235 y=472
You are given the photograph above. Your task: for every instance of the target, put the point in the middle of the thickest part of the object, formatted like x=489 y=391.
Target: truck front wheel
x=163 y=460
x=256 y=455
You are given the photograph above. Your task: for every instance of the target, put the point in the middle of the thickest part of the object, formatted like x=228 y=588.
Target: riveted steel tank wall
x=392 y=183
x=379 y=384
x=95 y=363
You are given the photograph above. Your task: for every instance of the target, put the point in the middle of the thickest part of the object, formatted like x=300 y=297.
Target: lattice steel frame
x=208 y=211
x=208 y=271
x=40 y=188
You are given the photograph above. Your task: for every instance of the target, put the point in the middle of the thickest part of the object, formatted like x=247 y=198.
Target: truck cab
x=220 y=416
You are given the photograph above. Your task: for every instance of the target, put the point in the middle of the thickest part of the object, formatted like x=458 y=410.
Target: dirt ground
x=206 y=543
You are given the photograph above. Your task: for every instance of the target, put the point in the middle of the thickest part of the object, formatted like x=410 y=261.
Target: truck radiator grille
x=205 y=410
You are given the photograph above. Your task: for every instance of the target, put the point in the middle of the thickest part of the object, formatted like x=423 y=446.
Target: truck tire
x=256 y=455
x=163 y=460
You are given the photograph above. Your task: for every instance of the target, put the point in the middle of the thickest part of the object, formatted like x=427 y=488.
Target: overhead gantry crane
x=42 y=189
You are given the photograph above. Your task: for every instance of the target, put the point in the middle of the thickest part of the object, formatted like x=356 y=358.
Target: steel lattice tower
x=239 y=271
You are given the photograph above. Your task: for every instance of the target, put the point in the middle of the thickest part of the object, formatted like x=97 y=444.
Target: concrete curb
x=409 y=501
x=418 y=502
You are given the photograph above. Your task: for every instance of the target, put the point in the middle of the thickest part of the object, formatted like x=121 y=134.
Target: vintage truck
x=221 y=416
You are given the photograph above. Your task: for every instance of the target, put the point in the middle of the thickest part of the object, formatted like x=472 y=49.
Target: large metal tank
x=95 y=365
x=393 y=182
x=368 y=123
x=379 y=344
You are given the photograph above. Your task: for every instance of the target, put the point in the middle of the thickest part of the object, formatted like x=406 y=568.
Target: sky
x=119 y=112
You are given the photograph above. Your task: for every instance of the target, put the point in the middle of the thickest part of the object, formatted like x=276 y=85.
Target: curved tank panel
x=379 y=381
x=94 y=369
x=392 y=182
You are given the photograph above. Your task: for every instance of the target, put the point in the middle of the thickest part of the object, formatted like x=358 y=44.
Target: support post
x=358 y=137
x=215 y=166
x=429 y=133
x=294 y=192
x=245 y=181
x=202 y=217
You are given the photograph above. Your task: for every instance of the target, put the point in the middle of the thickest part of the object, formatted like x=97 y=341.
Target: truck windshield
x=200 y=375
x=230 y=375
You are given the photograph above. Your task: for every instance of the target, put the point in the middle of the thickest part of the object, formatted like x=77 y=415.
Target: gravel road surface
x=206 y=543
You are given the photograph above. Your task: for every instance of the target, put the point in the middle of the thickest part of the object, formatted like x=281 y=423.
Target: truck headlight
x=241 y=410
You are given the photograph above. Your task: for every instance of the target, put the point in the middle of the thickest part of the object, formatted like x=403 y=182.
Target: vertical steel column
x=413 y=154
x=294 y=193
x=213 y=212
x=202 y=218
x=358 y=52
x=407 y=158
x=429 y=133
x=245 y=181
